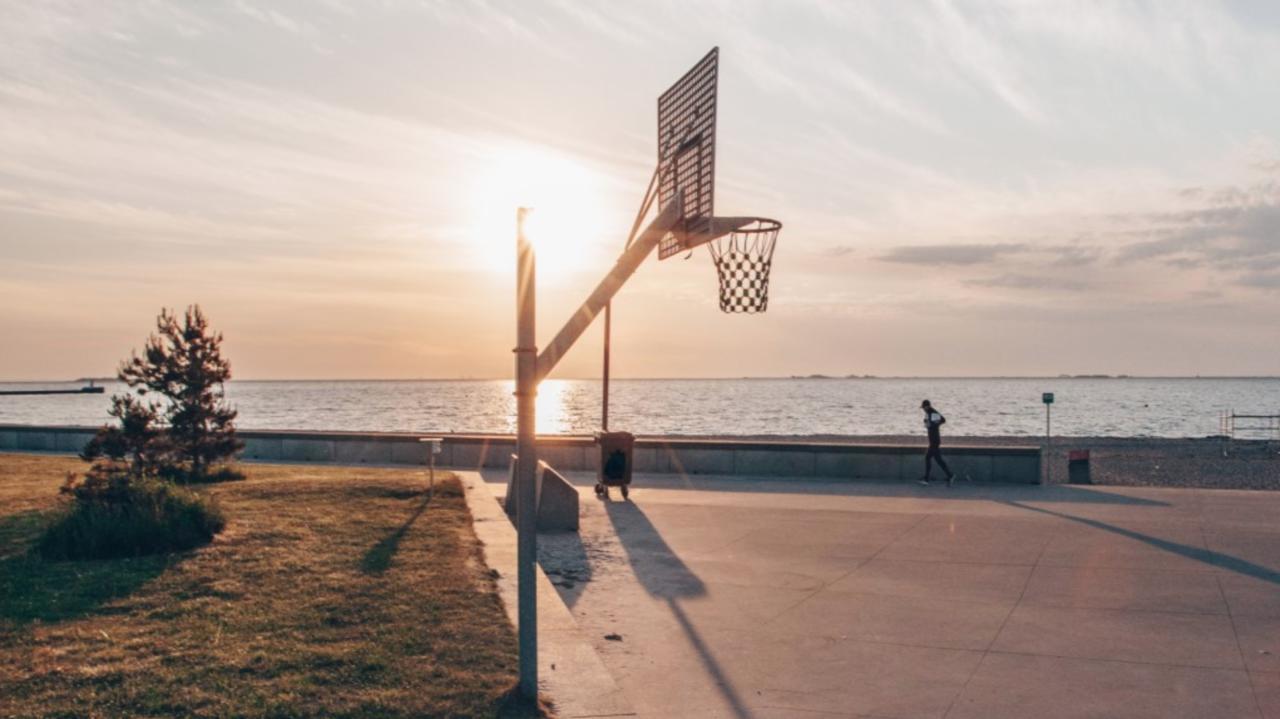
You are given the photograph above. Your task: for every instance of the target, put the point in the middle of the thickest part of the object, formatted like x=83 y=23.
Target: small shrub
x=114 y=514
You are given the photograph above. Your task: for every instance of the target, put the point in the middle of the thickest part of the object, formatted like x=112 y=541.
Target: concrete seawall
x=652 y=454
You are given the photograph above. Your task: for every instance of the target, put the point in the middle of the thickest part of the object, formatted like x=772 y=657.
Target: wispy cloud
x=1236 y=229
x=1035 y=283
x=932 y=255
x=1261 y=280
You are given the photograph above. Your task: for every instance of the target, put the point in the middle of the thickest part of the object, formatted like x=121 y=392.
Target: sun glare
x=554 y=416
x=567 y=222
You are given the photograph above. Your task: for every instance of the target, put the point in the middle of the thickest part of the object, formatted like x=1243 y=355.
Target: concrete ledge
x=557 y=501
x=556 y=497
x=569 y=670
x=831 y=460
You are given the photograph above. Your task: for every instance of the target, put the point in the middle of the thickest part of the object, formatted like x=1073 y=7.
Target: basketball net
x=743 y=259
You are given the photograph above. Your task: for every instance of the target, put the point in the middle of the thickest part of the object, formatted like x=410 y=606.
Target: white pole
x=526 y=352
x=1048 y=444
x=531 y=369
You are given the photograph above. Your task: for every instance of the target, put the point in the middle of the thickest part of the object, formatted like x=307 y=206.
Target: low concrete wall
x=567 y=454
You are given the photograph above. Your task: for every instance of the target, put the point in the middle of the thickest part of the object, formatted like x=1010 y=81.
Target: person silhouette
x=933 y=421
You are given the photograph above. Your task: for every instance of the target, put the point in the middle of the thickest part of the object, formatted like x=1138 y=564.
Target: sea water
x=1121 y=407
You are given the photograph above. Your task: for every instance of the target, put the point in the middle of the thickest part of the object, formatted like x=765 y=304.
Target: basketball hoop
x=743 y=258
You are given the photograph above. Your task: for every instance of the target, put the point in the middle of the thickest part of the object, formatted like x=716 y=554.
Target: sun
x=568 y=222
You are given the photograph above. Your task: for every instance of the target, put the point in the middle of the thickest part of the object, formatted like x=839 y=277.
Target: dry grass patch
x=334 y=591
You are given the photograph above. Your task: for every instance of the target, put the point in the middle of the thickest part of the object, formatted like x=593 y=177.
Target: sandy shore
x=1136 y=461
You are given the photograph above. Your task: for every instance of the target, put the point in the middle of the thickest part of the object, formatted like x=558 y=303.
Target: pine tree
x=127 y=504
x=183 y=363
x=137 y=447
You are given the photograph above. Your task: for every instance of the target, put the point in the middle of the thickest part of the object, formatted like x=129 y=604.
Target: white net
x=743 y=259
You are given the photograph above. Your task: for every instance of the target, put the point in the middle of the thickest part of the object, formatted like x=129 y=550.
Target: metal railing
x=1233 y=425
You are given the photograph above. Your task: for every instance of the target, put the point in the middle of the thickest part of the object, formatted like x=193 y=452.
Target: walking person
x=933 y=421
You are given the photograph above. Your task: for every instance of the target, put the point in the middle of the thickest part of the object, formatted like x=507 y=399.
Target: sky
x=969 y=189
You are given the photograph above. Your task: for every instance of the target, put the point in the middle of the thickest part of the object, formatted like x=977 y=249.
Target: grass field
x=334 y=591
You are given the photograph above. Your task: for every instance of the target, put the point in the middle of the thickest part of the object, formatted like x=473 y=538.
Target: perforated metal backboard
x=687 y=151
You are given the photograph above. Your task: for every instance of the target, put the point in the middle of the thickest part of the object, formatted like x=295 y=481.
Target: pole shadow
x=377 y=559
x=664 y=575
x=567 y=563
x=1207 y=556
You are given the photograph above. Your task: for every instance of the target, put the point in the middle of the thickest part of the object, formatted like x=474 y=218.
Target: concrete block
x=859 y=465
x=445 y=458
x=686 y=460
x=476 y=455
x=466 y=456
x=557 y=501
x=591 y=458
x=361 y=452
x=776 y=463
x=411 y=451
x=37 y=441
x=8 y=439
x=886 y=466
x=975 y=467
x=569 y=458
x=269 y=448
x=509 y=501
x=71 y=441
x=1020 y=469
x=306 y=450
x=830 y=464
x=497 y=453
x=647 y=459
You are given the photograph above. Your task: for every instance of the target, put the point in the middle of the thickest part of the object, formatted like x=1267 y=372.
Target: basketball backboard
x=687 y=152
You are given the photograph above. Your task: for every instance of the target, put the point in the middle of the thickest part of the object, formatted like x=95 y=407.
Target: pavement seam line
x=1244 y=662
x=856 y=567
x=987 y=652
x=1136 y=662
x=1068 y=657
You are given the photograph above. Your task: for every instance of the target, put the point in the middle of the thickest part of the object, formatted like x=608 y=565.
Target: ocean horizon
x=1175 y=407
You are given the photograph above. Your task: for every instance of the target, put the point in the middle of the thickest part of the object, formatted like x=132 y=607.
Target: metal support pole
x=1048 y=444
x=433 y=446
x=608 y=309
x=526 y=352
x=604 y=408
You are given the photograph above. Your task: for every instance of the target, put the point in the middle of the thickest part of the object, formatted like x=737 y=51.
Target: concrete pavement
x=727 y=597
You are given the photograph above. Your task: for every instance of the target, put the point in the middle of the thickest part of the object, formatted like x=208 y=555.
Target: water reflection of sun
x=551 y=406
x=552 y=417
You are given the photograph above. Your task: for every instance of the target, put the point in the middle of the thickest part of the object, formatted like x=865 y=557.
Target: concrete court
x=785 y=598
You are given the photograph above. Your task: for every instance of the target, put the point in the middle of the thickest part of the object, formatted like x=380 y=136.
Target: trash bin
x=1078 y=467
x=616 y=451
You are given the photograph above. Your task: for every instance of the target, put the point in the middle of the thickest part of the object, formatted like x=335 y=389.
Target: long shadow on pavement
x=835 y=486
x=879 y=488
x=1208 y=556
x=662 y=573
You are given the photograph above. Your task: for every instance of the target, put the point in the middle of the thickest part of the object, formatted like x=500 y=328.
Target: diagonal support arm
x=627 y=264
